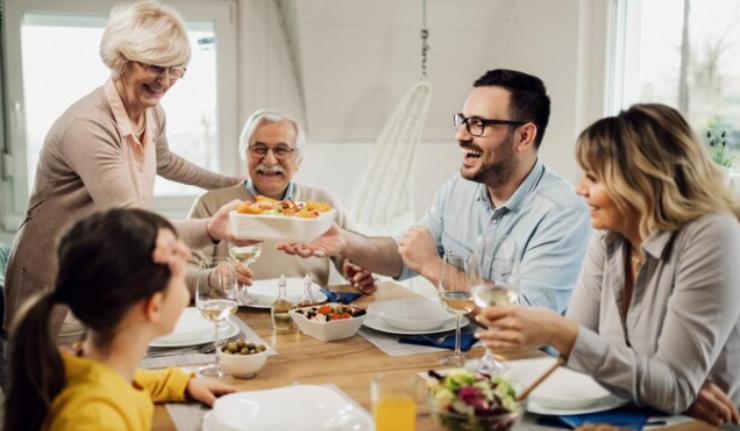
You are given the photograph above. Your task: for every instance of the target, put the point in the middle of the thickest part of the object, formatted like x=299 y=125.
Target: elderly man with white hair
x=273 y=146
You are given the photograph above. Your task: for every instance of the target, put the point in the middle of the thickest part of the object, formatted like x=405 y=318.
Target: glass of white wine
x=215 y=299
x=456 y=297
x=246 y=255
x=493 y=271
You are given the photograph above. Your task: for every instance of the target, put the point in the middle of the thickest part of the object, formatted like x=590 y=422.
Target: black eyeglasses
x=281 y=152
x=176 y=72
x=477 y=125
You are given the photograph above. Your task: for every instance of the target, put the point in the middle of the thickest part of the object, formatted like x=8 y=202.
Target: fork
x=204 y=349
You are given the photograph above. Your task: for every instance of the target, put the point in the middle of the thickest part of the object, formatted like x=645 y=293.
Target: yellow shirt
x=96 y=397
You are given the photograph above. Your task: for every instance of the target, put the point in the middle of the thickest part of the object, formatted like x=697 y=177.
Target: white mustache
x=276 y=169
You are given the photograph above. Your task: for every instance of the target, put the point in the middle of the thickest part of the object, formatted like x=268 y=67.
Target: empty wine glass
x=246 y=255
x=215 y=299
x=456 y=297
x=493 y=271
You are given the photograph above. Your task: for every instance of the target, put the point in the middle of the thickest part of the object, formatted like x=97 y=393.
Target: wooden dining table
x=349 y=364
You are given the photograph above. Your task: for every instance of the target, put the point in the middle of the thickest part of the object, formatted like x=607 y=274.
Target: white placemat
x=181 y=360
x=389 y=344
x=189 y=416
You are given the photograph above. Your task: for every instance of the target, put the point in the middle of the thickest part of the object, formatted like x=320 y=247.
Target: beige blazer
x=271 y=263
x=84 y=166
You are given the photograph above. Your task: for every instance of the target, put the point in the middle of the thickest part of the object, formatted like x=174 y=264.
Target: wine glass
x=493 y=271
x=215 y=299
x=246 y=255
x=456 y=297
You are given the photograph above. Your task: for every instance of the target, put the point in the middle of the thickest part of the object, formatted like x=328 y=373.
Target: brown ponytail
x=37 y=371
x=105 y=267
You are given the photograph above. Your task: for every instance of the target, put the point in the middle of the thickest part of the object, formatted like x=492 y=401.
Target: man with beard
x=273 y=147
x=501 y=190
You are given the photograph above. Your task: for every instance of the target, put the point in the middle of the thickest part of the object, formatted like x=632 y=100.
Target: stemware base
x=212 y=370
x=452 y=359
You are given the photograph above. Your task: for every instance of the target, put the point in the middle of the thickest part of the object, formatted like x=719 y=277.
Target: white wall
x=346 y=63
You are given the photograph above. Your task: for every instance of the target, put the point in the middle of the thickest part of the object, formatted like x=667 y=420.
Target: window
x=700 y=77
x=53 y=52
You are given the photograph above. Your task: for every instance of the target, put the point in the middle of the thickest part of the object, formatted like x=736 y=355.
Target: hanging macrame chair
x=384 y=200
x=384 y=203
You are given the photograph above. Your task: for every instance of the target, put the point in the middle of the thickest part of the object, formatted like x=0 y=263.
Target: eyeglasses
x=281 y=152
x=477 y=126
x=176 y=72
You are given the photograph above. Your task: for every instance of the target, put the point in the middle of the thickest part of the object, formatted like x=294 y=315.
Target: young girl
x=122 y=273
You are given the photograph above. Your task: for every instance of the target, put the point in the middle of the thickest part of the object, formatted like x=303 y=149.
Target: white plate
x=190 y=325
x=204 y=338
x=280 y=228
x=611 y=403
x=564 y=392
x=295 y=408
x=411 y=314
x=374 y=322
x=210 y=423
x=262 y=293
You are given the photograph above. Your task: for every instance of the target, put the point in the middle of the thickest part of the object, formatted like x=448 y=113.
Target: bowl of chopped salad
x=329 y=322
x=266 y=219
x=465 y=400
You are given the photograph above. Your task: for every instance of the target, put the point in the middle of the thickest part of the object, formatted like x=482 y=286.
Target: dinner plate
x=191 y=324
x=564 y=392
x=376 y=323
x=295 y=408
x=227 y=331
x=418 y=314
x=262 y=293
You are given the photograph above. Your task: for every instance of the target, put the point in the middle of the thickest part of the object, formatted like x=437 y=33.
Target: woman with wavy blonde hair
x=655 y=316
x=105 y=151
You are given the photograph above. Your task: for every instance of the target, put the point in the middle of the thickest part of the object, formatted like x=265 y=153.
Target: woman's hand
x=513 y=327
x=360 y=278
x=219 y=226
x=713 y=406
x=206 y=391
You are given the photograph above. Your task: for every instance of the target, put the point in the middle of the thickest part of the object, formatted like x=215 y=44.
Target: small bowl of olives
x=242 y=358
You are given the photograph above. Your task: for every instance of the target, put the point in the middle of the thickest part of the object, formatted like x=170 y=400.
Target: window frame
x=223 y=15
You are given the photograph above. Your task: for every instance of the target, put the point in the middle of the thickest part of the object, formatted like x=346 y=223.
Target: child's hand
x=206 y=391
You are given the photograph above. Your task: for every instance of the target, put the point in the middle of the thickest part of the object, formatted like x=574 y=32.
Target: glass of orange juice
x=394 y=397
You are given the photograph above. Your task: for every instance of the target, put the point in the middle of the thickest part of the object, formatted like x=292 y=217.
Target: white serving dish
x=280 y=228
x=295 y=408
x=411 y=314
x=378 y=324
x=327 y=331
x=243 y=366
x=191 y=324
x=262 y=293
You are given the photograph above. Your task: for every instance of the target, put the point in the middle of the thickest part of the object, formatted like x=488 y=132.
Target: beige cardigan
x=271 y=263
x=85 y=166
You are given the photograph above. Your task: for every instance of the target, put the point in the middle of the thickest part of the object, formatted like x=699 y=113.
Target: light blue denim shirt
x=545 y=217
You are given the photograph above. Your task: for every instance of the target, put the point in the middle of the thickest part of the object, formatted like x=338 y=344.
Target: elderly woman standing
x=655 y=316
x=106 y=149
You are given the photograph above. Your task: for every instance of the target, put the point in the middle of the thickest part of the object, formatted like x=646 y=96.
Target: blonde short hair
x=264 y=116
x=651 y=162
x=145 y=31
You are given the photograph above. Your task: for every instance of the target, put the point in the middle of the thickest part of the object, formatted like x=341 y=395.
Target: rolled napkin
x=341 y=297
x=444 y=341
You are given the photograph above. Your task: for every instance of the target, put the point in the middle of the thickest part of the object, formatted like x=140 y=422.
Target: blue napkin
x=447 y=342
x=341 y=297
x=628 y=417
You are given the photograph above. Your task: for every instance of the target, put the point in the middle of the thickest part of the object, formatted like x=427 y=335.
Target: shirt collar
x=655 y=245
x=123 y=124
x=252 y=190
x=516 y=200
